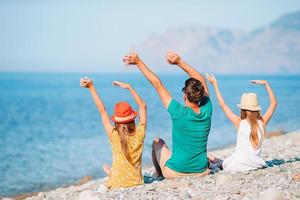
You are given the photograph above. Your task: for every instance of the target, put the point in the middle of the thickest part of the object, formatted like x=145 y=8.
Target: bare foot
x=296 y=177
x=211 y=158
x=106 y=169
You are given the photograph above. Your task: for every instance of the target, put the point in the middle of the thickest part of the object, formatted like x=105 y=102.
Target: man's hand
x=173 y=58
x=131 y=59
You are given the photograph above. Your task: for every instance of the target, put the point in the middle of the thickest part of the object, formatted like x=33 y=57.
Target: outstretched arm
x=174 y=59
x=231 y=116
x=133 y=59
x=88 y=83
x=273 y=102
x=139 y=101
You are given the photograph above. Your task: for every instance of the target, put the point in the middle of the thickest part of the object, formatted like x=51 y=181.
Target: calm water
x=51 y=134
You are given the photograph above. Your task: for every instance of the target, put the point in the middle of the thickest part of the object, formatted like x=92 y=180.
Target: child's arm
x=231 y=116
x=139 y=101
x=174 y=59
x=133 y=59
x=273 y=102
x=88 y=83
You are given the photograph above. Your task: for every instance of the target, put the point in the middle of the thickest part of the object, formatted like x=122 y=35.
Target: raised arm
x=273 y=102
x=174 y=59
x=133 y=59
x=88 y=83
x=139 y=101
x=231 y=116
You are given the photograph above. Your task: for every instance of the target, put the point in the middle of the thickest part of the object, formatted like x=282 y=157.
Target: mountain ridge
x=271 y=49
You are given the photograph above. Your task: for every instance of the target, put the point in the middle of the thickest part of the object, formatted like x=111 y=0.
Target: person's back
x=246 y=157
x=190 y=134
x=124 y=172
x=243 y=143
x=250 y=127
x=190 y=130
x=125 y=138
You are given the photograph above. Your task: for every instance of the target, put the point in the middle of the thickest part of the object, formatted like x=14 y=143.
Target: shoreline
x=280 y=147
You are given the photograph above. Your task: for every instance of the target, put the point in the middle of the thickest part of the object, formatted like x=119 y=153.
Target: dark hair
x=193 y=90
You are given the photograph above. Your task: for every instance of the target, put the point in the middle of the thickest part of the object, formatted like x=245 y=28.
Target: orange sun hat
x=123 y=113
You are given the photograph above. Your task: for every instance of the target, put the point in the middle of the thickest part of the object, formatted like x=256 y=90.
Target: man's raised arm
x=133 y=59
x=174 y=59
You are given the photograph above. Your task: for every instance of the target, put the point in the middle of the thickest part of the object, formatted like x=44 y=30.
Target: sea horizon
x=135 y=71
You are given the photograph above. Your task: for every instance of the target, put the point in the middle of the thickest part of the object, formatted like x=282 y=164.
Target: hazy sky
x=90 y=35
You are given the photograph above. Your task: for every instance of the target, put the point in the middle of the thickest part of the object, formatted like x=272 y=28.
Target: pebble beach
x=281 y=180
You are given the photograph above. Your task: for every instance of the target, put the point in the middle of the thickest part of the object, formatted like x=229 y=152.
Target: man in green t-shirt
x=190 y=122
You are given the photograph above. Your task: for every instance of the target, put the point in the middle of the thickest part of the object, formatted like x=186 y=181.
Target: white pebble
x=223 y=179
x=101 y=189
x=272 y=194
x=88 y=195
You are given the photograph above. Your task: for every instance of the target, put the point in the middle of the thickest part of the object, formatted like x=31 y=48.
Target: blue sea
x=51 y=134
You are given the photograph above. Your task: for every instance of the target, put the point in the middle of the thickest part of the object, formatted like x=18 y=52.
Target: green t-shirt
x=189 y=135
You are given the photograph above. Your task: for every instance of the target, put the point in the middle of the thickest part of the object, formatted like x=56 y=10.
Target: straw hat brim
x=125 y=119
x=251 y=108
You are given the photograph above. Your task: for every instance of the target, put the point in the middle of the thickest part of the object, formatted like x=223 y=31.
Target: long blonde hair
x=252 y=117
x=125 y=130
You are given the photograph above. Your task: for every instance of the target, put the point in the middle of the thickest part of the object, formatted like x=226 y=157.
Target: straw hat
x=249 y=101
x=123 y=113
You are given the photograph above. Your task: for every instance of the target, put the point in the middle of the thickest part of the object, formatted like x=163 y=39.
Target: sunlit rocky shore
x=281 y=180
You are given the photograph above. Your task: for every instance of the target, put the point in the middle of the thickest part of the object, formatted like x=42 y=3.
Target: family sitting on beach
x=191 y=125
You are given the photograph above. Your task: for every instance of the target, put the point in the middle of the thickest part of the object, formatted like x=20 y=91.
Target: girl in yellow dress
x=126 y=139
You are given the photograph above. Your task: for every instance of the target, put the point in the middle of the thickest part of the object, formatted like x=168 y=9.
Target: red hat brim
x=113 y=118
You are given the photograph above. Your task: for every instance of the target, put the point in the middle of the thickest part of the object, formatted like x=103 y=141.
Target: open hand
x=211 y=78
x=121 y=84
x=131 y=59
x=86 y=82
x=260 y=82
x=173 y=58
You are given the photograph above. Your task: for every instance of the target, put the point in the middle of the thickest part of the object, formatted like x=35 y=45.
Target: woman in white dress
x=250 y=126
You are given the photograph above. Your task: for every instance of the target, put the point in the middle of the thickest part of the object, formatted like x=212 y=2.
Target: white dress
x=245 y=156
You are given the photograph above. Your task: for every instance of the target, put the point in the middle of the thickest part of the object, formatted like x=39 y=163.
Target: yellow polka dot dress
x=124 y=173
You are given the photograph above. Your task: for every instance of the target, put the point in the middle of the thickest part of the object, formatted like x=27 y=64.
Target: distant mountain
x=274 y=48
